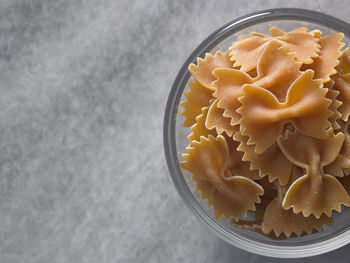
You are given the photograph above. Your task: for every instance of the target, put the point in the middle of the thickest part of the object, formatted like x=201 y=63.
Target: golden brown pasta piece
x=272 y=162
x=342 y=84
x=276 y=32
x=342 y=162
x=336 y=116
x=247 y=50
x=279 y=220
x=315 y=192
x=205 y=188
x=228 y=89
x=276 y=222
x=276 y=71
x=263 y=116
x=202 y=72
x=238 y=166
x=199 y=129
x=216 y=120
x=302 y=44
x=255 y=223
x=207 y=160
x=324 y=65
x=197 y=98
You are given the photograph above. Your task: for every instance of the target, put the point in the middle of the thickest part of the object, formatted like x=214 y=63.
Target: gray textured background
x=83 y=89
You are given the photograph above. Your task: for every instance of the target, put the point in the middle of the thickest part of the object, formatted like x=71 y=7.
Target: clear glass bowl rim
x=170 y=120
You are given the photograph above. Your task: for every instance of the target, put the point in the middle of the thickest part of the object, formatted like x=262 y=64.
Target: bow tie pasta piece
x=272 y=162
x=278 y=220
x=254 y=224
x=205 y=188
x=336 y=116
x=207 y=160
x=263 y=116
x=235 y=198
x=228 y=88
x=342 y=84
x=197 y=98
x=324 y=65
x=202 y=72
x=199 y=129
x=247 y=50
x=216 y=120
x=315 y=192
x=238 y=166
x=276 y=71
x=302 y=44
x=342 y=162
x=333 y=94
x=276 y=32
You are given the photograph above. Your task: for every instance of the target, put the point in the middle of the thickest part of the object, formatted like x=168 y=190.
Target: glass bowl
x=175 y=138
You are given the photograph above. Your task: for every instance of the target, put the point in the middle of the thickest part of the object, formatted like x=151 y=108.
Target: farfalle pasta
x=342 y=84
x=246 y=52
x=231 y=195
x=315 y=192
x=270 y=134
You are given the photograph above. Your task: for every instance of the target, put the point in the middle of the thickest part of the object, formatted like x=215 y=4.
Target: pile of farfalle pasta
x=270 y=137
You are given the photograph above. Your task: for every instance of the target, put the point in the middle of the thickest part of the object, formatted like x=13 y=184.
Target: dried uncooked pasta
x=336 y=116
x=279 y=220
x=202 y=72
x=247 y=50
x=315 y=192
x=276 y=71
x=270 y=131
x=271 y=163
x=342 y=84
x=197 y=98
x=216 y=120
x=324 y=65
x=263 y=116
x=232 y=196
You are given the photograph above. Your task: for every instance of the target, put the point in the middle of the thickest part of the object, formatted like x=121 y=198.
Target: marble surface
x=83 y=90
